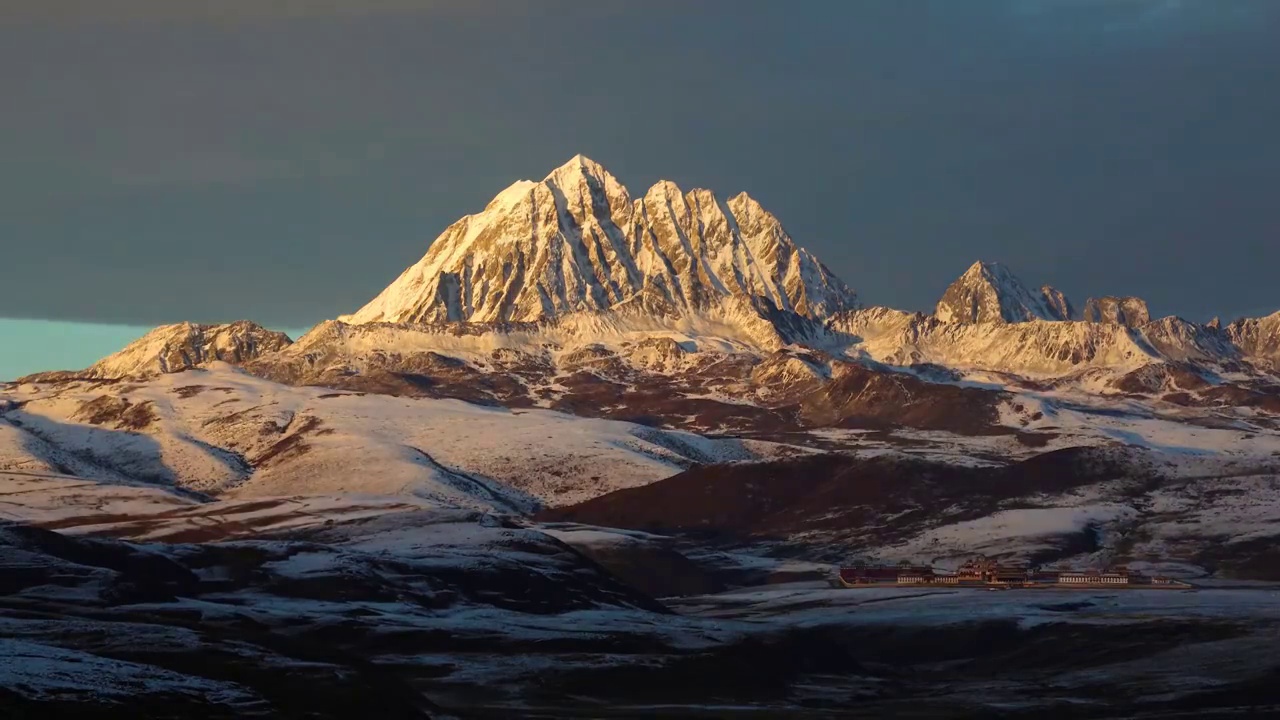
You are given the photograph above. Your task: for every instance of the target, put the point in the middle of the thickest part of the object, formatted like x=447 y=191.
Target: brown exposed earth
x=858 y=396
x=867 y=501
x=292 y=444
x=116 y=411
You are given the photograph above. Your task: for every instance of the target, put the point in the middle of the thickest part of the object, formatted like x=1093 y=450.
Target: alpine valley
x=597 y=455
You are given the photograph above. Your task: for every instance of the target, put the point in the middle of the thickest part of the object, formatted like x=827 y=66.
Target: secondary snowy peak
x=579 y=242
x=990 y=293
x=1128 y=311
x=173 y=348
x=1257 y=337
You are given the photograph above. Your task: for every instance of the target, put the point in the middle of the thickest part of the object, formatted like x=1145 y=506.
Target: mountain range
x=571 y=294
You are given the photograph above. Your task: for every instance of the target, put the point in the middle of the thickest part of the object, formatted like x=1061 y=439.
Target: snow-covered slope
x=223 y=432
x=578 y=242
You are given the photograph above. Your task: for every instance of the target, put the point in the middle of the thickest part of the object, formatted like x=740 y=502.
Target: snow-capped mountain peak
x=579 y=169
x=578 y=242
x=989 y=292
x=582 y=184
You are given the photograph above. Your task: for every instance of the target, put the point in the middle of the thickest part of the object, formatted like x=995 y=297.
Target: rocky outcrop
x=1058 y=303
x=1127 y=311
x=174 y=348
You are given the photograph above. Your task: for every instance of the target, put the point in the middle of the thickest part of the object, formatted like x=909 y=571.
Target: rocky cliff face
x=1127 y=311
x=1059 y=305
x=1257 y=337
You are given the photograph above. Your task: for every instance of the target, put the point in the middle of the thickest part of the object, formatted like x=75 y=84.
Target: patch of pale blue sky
x=30 y=346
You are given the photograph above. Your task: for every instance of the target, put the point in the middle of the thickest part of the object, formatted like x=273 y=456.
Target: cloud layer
x=208 y=10
x=161 y=165
x=1148 y=16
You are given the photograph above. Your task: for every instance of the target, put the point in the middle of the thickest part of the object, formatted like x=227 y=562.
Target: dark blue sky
x=284 y=163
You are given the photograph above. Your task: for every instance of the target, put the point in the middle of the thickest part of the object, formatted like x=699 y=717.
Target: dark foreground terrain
x=1097 y=505
x=433 y=614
